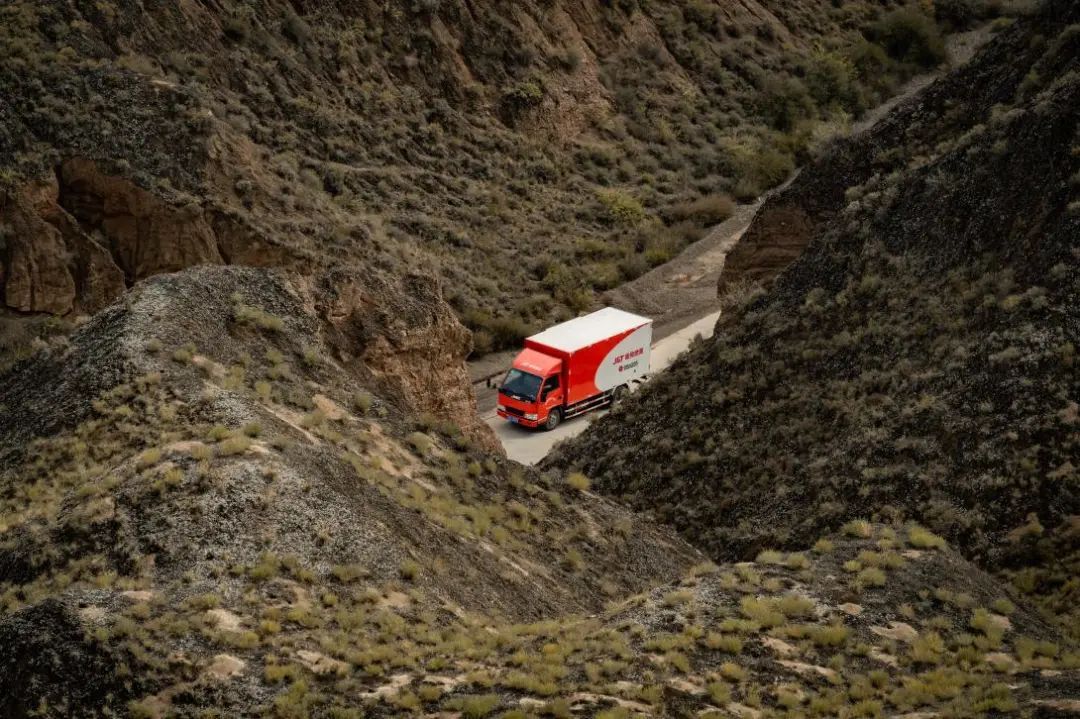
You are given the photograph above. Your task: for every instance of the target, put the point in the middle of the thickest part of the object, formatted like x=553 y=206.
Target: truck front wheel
x=553 y=419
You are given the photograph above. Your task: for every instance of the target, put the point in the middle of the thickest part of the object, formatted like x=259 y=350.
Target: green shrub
x=621 y=208
x=719 y=693
x=762 y=610
x=769 y=556
x=783 y=103
x=857 y=528
x=420 y=442
x=578 y=481
x=732 y=672
x=910 y=36
x=832 y=80
x=722 y=642
x=491 y=334
x=477 y=706
x=870 y=577
x=708 y=210
x=522 y=96
x=409 y=569
x=362 y=401
x=923 y=538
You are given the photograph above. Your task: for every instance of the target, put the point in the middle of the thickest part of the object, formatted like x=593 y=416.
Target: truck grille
x=511 y=410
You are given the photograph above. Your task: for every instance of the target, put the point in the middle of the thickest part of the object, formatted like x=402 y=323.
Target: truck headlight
x=532 y=417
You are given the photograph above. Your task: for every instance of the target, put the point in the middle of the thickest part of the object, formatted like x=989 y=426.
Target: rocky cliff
x=915 y=360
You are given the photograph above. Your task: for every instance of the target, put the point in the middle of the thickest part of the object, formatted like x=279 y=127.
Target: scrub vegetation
x=531 y=154
x=258 y=492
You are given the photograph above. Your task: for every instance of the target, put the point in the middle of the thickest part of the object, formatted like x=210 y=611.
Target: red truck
x=574 y=367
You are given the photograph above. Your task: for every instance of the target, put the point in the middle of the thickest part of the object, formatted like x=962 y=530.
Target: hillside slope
x=917 y=361
x=202 y=510
x=489 y=143
x=201 y=469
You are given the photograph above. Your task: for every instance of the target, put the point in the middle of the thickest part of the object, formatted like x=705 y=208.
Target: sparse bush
x=362 y=401
x=233 y=446
x=858 y=528
x=420 y=442
x=184 y=355
x=923 y=538
x=578 y=481
x=476 y=706
x=732 y=672
x=761 y=610
x=621 y=208
x=573 y=560
x=870 y=577
x=246 y=314
x=708 y=210
x=722 y=642
x=769 y=556
x=409 y=569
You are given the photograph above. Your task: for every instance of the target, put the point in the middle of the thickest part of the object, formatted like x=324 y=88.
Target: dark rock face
x=916 y=360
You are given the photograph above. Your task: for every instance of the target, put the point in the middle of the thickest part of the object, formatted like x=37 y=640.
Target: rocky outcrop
x=145 y=235
x=414 y=345
x=47 y=262
x=51 y=659
x=72 y=242
x=773 y=241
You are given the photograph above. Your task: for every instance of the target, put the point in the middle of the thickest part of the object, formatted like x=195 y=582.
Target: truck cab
x=574 y=367
x=531 y=389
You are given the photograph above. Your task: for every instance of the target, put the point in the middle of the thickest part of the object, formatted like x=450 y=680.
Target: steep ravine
x=912 y=353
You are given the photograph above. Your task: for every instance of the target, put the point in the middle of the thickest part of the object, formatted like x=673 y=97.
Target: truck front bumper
x=515 y=419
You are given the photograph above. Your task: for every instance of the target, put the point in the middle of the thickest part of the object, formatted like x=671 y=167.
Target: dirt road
x=674 y=295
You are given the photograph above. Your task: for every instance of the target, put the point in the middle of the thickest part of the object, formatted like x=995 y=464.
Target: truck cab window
x=520 y=385
x=550 y=385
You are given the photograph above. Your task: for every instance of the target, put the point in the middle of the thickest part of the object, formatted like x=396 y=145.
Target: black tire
x=553 y=420
x=619 y=394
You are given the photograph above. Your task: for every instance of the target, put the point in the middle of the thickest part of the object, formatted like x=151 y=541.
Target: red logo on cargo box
x=629 y=355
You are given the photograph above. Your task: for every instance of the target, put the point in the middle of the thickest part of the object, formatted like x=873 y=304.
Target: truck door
x=551 y=394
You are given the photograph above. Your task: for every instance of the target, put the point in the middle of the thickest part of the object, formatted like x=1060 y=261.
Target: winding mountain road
x=679 y=295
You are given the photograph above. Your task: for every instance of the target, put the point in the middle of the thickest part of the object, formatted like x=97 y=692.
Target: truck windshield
x=521 y=385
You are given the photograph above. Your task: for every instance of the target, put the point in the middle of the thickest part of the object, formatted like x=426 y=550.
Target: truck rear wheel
x=619 y=394
x=553 y=420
